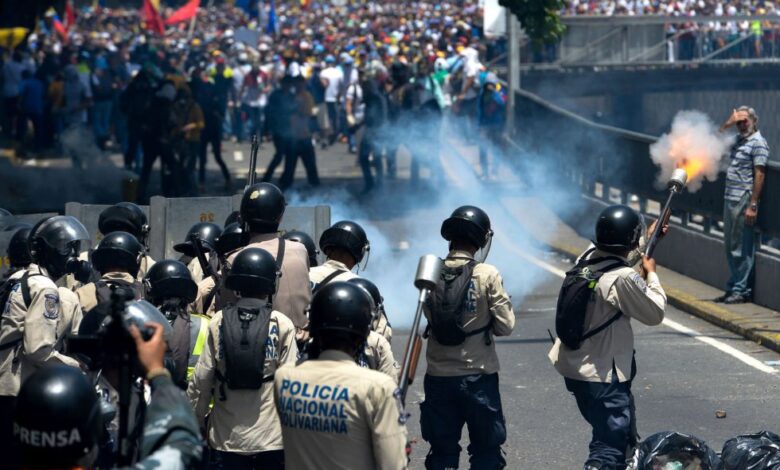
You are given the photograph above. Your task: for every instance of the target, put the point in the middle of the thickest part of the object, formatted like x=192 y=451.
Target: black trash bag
x=758 y=451
x=674 y=450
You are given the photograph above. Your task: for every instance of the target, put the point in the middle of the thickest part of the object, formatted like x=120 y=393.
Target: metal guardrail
x=693 y=39
x=606 y=161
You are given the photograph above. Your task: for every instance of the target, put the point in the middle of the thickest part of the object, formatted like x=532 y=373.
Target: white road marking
x=238 y=155
x=719 y=345
x=731 y=351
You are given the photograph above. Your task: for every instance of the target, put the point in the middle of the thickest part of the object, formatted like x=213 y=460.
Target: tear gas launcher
x=428 y=273
x=252 y=176
x=676 y=185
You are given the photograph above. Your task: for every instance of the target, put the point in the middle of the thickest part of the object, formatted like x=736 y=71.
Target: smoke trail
x=695 y=144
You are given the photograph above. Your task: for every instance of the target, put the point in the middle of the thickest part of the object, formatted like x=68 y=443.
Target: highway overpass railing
x=610 y=165
x=654 y=39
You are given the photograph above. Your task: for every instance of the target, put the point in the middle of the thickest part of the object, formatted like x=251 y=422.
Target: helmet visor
x=481 y=255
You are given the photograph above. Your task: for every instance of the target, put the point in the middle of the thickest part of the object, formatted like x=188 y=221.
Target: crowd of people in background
x=312 y=76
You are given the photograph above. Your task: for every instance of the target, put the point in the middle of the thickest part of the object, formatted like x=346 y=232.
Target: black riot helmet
x=348 y=236
x=58 y=422
x=341 y=307
x=618 y=229
x=206 y=232
x=18 y=251
x=253 y=273
x=232 y=218
x=468 y=223
x=55 y=244
x=262 y=207
x=168 y=279
x=230 y=239
x=125 y=217
x=371 y=288
x=118 y=250
x=304 y=239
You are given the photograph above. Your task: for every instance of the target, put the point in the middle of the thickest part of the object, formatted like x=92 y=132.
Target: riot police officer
x=18 y=251
x=469 y=306
x=128 y=217
x=345 y=244
x=334 y=413
x=600 y=371
x=307 y=241
x=377 y=353
x=207 y=233
x=37 y=314
x=228 y=243
x=171 y=289
x=117 y=258
x=170 y=436
x=379 y=322
x=246 y=344
x=262 y=209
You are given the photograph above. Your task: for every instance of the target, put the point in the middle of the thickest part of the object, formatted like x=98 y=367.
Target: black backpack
x=576 y=293
x=447 y=302
x=243 y=333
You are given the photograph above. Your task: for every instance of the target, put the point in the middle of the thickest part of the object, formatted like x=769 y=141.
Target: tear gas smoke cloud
x=695 y=144
x=403 y=225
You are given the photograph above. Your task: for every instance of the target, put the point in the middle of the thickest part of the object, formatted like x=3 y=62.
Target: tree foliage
x=539 y=18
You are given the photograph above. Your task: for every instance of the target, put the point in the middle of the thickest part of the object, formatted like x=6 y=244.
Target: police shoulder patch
x=641 y=283
x=51 y=306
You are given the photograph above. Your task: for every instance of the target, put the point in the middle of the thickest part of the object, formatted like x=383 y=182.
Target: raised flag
x=184 y=13
x=70 y=15
x=271 y=27
x=150 y=12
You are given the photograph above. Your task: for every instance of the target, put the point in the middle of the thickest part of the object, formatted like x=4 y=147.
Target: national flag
x=150 y=12
x=271 y=28
x=189 y=10
x=57 y=23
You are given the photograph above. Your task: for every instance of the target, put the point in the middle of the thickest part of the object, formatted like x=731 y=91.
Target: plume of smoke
x=403 y=225
x=693 y=143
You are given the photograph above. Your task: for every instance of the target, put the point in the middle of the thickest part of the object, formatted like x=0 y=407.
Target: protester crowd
x=300 y=76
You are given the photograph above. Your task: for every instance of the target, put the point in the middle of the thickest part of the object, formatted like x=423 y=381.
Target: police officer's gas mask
x=172 y=307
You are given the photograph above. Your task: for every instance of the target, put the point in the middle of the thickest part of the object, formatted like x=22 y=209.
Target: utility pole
x=513 y=63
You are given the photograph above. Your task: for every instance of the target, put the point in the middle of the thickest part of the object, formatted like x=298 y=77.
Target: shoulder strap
x=280 y=254
x=327 y=279
x=26 y=296
x=603 y=326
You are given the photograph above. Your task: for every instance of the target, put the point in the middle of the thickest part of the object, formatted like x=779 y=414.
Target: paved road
x=680 y=384
x=683 y=377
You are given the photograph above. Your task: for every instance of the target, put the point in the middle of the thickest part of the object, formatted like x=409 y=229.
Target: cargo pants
x=609 y=409
x=451 y=402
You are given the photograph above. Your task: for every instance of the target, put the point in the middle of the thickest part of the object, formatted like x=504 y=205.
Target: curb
x=705 y=310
